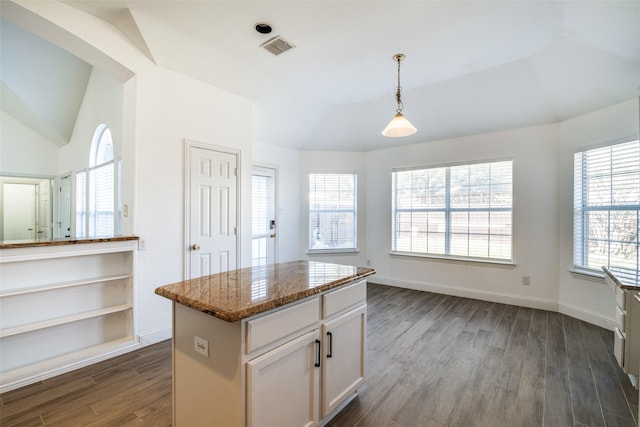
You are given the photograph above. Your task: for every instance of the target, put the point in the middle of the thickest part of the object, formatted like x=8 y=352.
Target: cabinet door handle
x=317 y=364
x=330 y=335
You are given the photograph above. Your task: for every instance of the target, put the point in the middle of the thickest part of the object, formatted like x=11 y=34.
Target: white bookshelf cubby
x=63 y=306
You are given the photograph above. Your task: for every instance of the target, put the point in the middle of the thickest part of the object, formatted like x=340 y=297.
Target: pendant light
x=399 y=125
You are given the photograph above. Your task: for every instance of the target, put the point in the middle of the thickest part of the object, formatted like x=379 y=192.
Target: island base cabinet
x=282 y=385
x=344 y=361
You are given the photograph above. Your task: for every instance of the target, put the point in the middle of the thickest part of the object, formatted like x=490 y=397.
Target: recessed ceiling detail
x=277 y=45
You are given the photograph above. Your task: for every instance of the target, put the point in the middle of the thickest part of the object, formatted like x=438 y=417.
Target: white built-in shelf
x=16 y=330
x=61 y=285
x=64 y=306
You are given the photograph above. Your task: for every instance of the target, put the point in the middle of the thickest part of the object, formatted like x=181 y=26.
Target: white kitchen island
x=282 y=345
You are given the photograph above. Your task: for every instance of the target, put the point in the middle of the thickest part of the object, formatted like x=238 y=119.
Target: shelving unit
x=63 y=306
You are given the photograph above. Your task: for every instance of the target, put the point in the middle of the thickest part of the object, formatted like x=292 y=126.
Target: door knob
x=195 y=247
x=273 y=235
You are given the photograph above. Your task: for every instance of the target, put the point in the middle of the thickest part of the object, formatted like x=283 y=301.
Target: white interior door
x=19 y=211
x=212 y=219
x=263 y=219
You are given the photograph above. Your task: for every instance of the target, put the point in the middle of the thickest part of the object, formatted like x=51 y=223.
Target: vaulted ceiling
x=471 y=67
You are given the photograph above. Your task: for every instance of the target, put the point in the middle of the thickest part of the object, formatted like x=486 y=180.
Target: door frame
x=188 y=145
x=276 y=207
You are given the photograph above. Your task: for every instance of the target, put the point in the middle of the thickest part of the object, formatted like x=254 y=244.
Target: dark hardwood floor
x=433 y=360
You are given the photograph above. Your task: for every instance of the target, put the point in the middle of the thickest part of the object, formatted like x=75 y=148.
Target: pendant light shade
x=399 y=125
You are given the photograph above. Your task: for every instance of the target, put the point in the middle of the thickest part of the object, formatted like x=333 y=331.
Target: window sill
x=332 y=251
x=490 y=262
x=588 y=274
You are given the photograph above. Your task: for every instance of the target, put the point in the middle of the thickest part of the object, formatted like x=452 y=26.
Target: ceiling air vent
x=277 y=45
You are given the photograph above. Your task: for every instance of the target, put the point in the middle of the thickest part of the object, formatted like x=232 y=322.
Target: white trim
x=587 y=316
x=155 y=337
x=504 y=298
x=188 y=144
x=142 y=341
x=491 y=261
x=500 y=297
x=24 y=380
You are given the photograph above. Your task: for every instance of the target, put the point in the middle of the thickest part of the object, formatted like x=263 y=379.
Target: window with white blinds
x=461 y=211
x=101 y=200
x=261 y=194
x=96 y=189
x=606 y=208
x=332 y=212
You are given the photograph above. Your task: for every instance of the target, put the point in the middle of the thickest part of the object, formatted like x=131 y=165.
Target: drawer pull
x=330 y=335
x=317 y=364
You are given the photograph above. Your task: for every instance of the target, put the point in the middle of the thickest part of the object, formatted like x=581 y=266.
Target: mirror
x=51 y=103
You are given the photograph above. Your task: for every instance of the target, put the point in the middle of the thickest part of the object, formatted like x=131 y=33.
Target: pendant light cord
x=398 y=90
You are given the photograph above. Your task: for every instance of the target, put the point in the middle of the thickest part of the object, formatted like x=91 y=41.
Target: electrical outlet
x=201 y=346
x=125 y=210
x=526 y=280
x=142 y=244
x=368 y=263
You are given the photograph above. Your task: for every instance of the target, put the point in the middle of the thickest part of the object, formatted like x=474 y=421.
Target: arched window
x=96 y=189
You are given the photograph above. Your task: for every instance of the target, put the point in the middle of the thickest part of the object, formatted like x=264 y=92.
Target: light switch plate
x=201 y=346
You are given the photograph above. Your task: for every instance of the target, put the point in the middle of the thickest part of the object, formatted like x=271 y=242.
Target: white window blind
x=96 y=191
x=261 y=190
x=606 y=208
x=332 y=212
x=101 y=200
x=462 y=211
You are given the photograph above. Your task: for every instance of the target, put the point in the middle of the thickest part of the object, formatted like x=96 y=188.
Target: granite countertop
x=10 y=244
x=239 y=294
x=625 y=281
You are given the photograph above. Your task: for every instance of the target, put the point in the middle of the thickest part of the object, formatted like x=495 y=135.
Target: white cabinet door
x=282 y=384
x=344 y=357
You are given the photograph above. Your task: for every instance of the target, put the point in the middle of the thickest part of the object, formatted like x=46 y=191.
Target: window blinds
x=261 y=190
x=606 y=207
x=332 y=211
x=454 y=211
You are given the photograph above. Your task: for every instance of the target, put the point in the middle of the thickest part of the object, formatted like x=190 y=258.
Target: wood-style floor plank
x=432 y=360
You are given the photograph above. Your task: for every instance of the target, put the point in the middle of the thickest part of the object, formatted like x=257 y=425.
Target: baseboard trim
x=142 y=341
x=539 y=303
x=587 y=316
x=531 y=302
x=155 y=337
x=27 y=379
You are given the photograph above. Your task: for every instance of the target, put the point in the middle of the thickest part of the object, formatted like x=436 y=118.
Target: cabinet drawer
x=618 y=346
x=621 y=318
x=621 y=298
x=282 y=323
x=344 y=298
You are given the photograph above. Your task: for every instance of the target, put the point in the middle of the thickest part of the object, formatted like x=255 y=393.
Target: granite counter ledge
x=12 y=244
x=238 y=294
x=629 y=285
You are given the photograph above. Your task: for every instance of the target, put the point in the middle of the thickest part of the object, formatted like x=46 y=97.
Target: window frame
x=447 y=210
x=354 y=212
x=580 y=224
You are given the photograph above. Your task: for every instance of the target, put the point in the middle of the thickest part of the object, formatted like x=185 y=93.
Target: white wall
x=579 y=295
x=334 y=162
x=162 y=108
x=535 y=218
x=102 y=103
x=170 y=109
x=25 y=152
x=286 y=161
